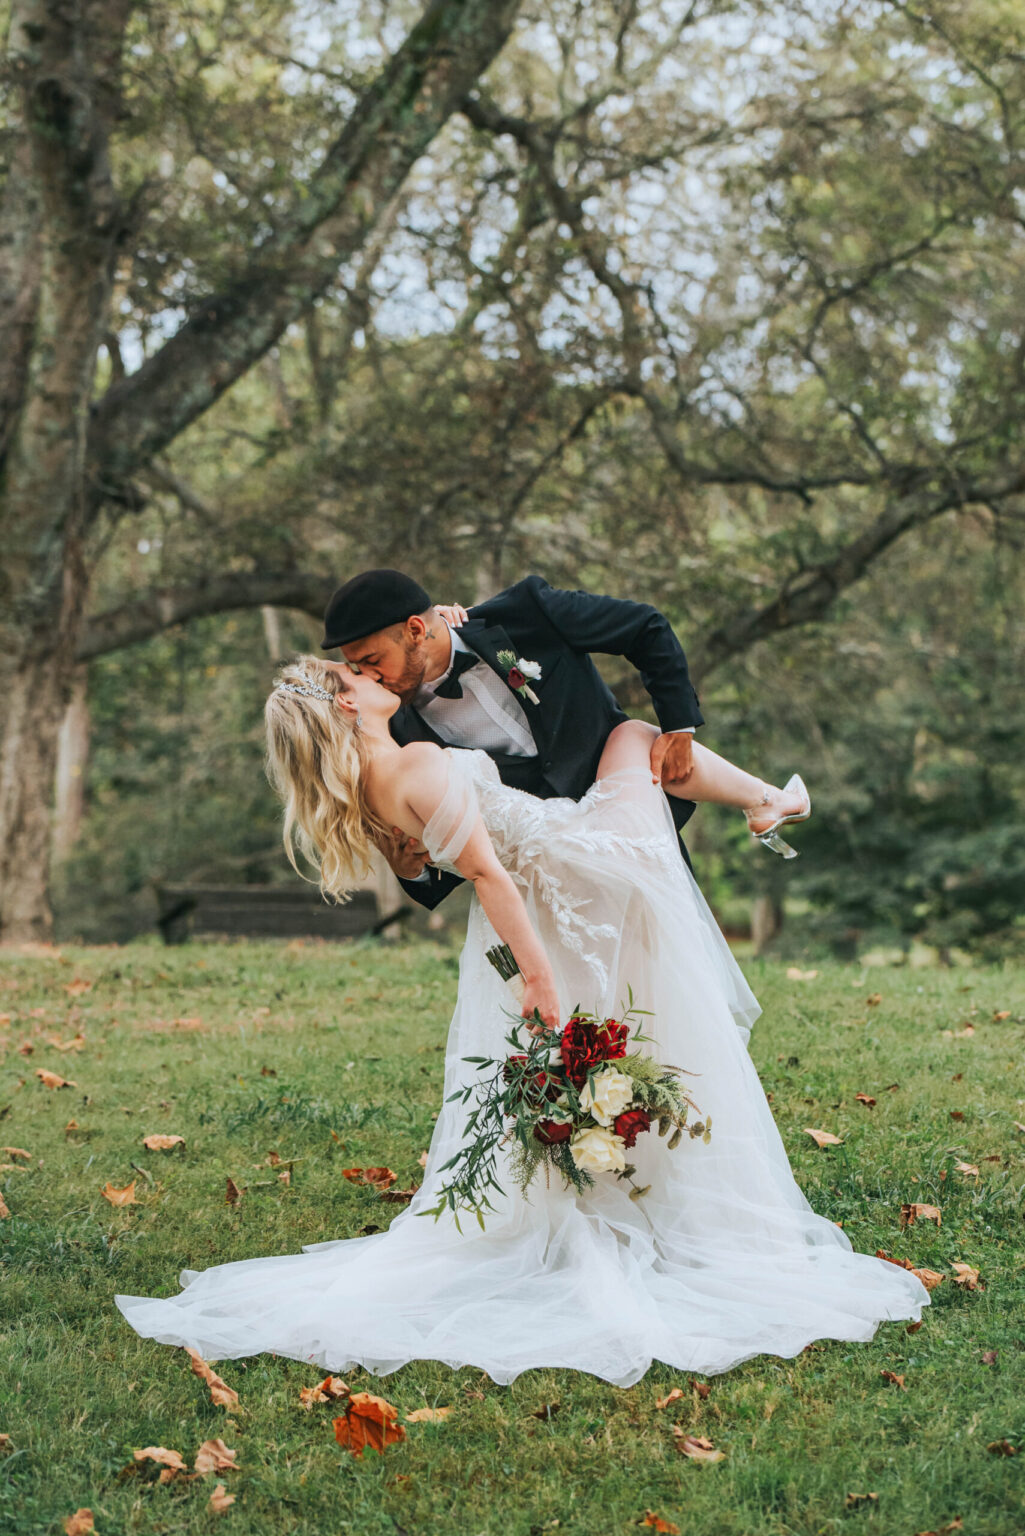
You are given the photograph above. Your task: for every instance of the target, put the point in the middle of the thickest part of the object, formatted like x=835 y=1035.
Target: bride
x=722 y=1260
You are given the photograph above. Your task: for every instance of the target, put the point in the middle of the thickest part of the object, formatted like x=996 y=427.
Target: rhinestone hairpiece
x=309 y=690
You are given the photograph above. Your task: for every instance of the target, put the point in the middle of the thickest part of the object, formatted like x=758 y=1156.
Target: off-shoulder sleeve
x=447 y=832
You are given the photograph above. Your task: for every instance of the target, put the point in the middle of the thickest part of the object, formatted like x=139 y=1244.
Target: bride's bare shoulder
x=422 y=776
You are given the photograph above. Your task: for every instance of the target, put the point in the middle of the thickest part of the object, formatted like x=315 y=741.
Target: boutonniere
x=518 y=671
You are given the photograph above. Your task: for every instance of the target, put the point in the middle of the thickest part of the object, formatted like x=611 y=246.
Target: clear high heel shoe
x=770 y=837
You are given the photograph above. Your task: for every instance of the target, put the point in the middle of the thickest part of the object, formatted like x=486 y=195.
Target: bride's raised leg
x=713 y=779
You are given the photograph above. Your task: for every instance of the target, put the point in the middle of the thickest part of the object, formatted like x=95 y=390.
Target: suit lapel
x=487 y=640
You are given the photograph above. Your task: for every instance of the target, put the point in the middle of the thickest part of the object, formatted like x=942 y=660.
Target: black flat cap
x=369 y=602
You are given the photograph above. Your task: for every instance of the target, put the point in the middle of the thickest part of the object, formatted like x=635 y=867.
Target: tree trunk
x=66 y=59
x=72 y=757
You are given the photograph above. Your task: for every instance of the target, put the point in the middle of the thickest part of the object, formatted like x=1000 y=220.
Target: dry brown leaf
x=268 y=1072
x=914 y=1212
x=399 y=1196
x=894 y=1379
x=957 y=1114
x=76 y=1043
x=856 y=1500
x=1001 y=1014
x=823 y=1138
x=702 y=1388
x=368 y=1420
x=960 y=1034
x=989 y=1357
x=930 y=1278
x=77 y=987
x=1002 y=1448
x=233 y=1193
x=163 y=1457
x=17 y=1152
x=80 y=1523
x=6 y=1443
x=326 y=1391
x=794 y=973
x=956 y=1524
x=1018 y=1125
x=220 y=1500
x=697 y=1447
x=4 y=1209
x=966 y=1275
x=874 y=1000
x=221 y=1395
x=26 y=1048
x=969 y=1169
x=160 y=1143
x=53 y=1079
x=124 y=1196
x=657 y=1523
x=285 y=1176
x=427 y=1415
x=866 y=1099
x=379 y=1177
x=546 y=1411
x=671 y=1397
x=214 y=1455
x=913 y=1327
x=422 y=1159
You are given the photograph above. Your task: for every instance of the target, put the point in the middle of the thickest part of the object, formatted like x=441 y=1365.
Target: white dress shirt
x=489 y=715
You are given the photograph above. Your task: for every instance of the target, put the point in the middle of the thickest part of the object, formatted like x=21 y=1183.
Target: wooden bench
x=265 y=912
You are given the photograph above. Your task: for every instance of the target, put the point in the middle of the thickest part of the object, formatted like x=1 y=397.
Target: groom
x=517 y=680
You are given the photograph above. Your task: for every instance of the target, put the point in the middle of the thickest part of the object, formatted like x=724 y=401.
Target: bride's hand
x=539 y=994
x=454 y=614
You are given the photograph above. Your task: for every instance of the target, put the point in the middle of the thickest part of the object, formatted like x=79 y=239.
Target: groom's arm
x=615 y=626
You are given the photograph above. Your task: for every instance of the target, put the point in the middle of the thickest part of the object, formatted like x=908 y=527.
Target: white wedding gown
x=723 y=1260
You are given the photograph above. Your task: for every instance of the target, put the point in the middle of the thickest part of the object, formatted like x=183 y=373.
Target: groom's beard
x=408 y=685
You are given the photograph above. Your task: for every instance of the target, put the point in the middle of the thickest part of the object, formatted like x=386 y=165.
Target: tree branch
x=396 y=119
x=162 y=608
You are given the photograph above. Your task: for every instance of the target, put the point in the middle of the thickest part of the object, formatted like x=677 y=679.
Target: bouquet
x=573 y=1101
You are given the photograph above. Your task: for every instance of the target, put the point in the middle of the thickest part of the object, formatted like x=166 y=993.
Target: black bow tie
x=451 y=687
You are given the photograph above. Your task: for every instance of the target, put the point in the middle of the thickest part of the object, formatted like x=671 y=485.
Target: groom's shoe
x=769 y=836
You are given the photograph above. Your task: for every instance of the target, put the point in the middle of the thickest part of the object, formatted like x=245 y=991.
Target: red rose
x=586 y=1045
x=549 y=1131
x=630 y=1124
x=516 y=678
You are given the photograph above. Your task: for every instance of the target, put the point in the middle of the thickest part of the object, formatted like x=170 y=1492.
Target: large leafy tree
x=734 y=288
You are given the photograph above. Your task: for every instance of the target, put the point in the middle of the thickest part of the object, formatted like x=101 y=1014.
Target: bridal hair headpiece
x=307 y=687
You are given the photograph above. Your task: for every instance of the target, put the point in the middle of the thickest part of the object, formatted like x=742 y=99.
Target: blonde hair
x=317 y=760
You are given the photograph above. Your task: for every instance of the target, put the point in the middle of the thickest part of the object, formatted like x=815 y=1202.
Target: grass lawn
x=332 y=1056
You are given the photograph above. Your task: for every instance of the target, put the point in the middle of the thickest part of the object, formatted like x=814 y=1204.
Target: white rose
x=598 y=1151
x=531 y=669
x=608 y=1095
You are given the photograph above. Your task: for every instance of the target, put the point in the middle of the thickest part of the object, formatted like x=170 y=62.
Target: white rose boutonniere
x=517 y=670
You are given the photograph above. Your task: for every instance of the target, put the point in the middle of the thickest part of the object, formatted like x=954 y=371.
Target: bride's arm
x=503 y=905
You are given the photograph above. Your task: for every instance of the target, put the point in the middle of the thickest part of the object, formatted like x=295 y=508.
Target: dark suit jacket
x=575 y=710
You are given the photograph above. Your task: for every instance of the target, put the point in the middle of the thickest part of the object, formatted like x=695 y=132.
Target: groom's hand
x=672 y=758
x=406 y=856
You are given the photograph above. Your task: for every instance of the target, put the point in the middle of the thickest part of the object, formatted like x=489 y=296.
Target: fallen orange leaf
x=912 y=1213
x=399 y=1196
x=823 y=1138
x=671 y=1397
x=80 y=1523
x=966 y=1275
x=214 y=1455
x=233 y=1193
x=221 y=1395
x=379 y=1177
x=77 y=987
x=658 y=1524
x=16 y=1152
x=159 y=1143
x=893 y=1379
x=866 y=1099
x=368 y=1420
x=874 y=1000
x=702 y=1388
x=427 y=1415
x=324 y=1392
x=1001 y=1014
x=1001 y=1448
x=4 y=1209
x=124 y=1196
x=969 y=1169
x=697 y=1447
x=53 y=1079
x=163 y=1457
x=220 y=1500
x=855 y=1500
